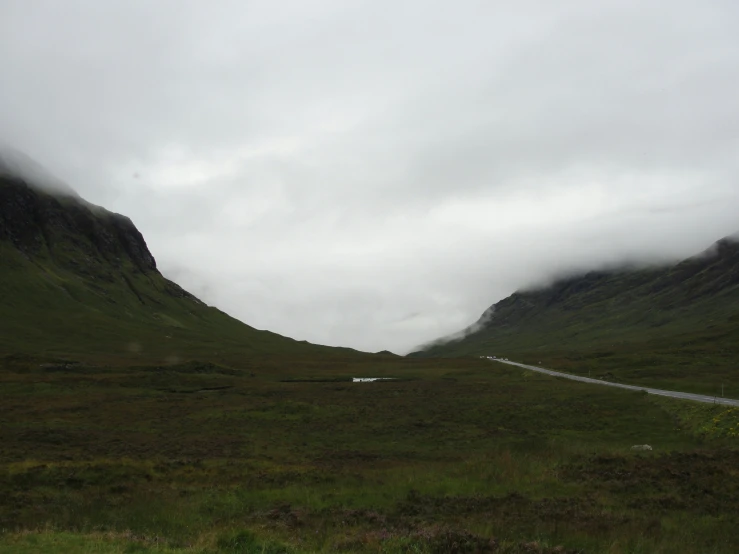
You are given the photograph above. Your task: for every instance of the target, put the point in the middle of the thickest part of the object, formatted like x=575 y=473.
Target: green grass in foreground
x=459 y=456
x=701 y=363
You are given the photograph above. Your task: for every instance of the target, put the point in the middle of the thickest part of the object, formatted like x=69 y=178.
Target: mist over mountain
x=16 y=164
x=608 y=306
x=77 y=279
x=382 y=193
x=225 y=227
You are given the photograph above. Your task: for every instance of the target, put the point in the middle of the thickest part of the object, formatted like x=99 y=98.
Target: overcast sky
x=376 y=174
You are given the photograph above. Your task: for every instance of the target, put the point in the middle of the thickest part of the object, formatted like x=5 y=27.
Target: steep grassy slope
x=79 y=281
x=673 y=324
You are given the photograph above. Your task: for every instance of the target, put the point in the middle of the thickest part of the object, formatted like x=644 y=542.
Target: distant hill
x=605 y=313
x=79 y=281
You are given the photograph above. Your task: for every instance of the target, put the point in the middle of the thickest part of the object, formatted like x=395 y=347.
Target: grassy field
x=674 y=327
x=697 y=364
x=703 y=361
x=453 y=456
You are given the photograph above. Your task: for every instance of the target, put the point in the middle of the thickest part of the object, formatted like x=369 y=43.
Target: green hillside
x=77 y=281
x=669 y=326
x=186 y=431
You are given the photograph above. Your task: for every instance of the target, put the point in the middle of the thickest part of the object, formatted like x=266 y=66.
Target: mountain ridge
x=18 y=165
x=634 y=296
x=79 y=280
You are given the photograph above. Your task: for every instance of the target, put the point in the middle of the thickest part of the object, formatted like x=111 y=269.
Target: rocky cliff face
x=56 y=228
x=79 y=282
x=70 y=231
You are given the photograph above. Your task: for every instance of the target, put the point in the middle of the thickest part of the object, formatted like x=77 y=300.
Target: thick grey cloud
x=375 y=174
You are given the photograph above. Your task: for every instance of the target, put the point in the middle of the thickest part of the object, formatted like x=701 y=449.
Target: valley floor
x=292 y=456
x=713 y=399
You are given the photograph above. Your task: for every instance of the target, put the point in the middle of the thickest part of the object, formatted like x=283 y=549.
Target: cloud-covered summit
x=16 y=164
x=373 y=174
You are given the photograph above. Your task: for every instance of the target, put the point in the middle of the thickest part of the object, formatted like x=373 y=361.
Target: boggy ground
x=290 y=456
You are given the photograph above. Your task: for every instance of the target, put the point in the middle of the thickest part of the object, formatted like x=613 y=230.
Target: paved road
x=660 y=392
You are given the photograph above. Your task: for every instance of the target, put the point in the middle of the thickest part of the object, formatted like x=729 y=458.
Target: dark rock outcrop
x=74 y=233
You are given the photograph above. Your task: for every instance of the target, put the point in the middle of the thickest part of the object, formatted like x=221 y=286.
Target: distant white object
x=370 y=379
x=641 y=447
